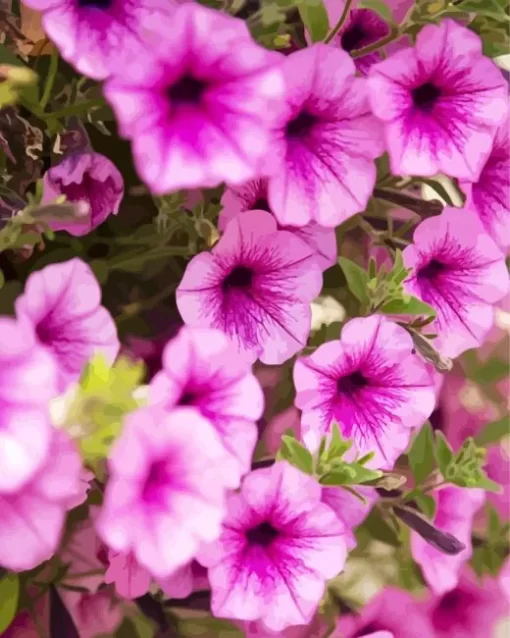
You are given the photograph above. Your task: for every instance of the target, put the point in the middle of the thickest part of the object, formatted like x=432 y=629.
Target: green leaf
x=493 y=432
x=421 y=455
x=490 y=372
x=444 y=452
x=357 y=279
x=338 y=446
x=389 y=481
x=410 y=306
x=380 y=529
x=296 y=454
x=491 y=8
x=487 y=484
x=315 y=18
x=9 y=597
x=426 y=504
x=381 y=8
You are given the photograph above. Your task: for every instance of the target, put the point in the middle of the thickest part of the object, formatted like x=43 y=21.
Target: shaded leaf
x=296 y=454
x=9 y=597
x=421 y=455
x=315 y=18
x=380 y=529
x=357 y=278
x=493 y=432
x=381 y=8
x=444 y=453
x=409 y=306
x=426 y=503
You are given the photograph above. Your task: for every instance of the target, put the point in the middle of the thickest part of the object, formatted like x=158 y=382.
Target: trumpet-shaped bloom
x=28 y=381
x=63 y=303
x=201 y=368
x=455 y=511
x=490 y=194
x=200 y=105
x=370 y=383
x=92 y=34
x=278 y=547
x=256 y=286
x=459 y=270
x=253 y=196
x=90 y=179
x=32 y=518
x=166 y=489
x=441 y=103
x=326 y=143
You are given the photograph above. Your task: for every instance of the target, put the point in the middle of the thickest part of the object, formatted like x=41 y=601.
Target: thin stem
x=340 y=23
x=50 y=79
x=172 y=251
x=75 y=109
x=420 y=206
x=370 y=48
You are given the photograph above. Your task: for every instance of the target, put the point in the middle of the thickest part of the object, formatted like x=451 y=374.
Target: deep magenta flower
x=63 y=303
x=441 y=103
x=200 y=105
x=278 y=547
x=28 y=381
x=91 y=179
x=459 y=270
x=32 y=518
x=201 y=368
x=326 y=143
x=166 y=490
x=92 y=34
x=370 y=383
x=255 y=285
x=253 y=196
x=490 y=194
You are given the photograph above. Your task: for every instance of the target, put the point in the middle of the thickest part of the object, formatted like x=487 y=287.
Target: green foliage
x=493 y=432
x=465 y=468
x=9 y=597
x=490 y=550
x=296 y=454
x=357 y=279
x=421 y=455
x=381 y=8
x=314 y=17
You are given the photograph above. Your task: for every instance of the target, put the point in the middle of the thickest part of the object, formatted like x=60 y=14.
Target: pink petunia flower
x=253 y=196
x=504 y=580
x=490 y=194
x=370 y=383
x=256 y=285
x=166 y=492
x=456 y=508
x=459 y=270
x=28 y=381
x=32 y=519
x=278 y=547
x=326 y=143
x=201 y=368
x=441 y=103
x=63 y=303
x=349 y=509
x=91 y=179
x=200 y=105
x=131 y=579
x=93 y=614
x=92 y=34
x=186 y=580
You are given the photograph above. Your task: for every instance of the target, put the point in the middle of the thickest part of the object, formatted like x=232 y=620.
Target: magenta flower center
x=98 y=4
x=263 y=534
x=432 y=270
x=240 y=277
x=425 y=96
x=157 y=479
x=261 y=204
x=187 y=398
x=187 y=90
x=352 y=383
x=301 y=125
x=352 y=38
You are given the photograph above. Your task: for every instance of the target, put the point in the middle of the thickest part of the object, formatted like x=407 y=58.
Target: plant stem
x=370 y=48
x=340 y=23
x=50 y=79
x=420 y=206
x=75 y=109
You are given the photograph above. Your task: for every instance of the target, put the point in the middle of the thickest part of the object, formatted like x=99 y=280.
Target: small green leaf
x=357 y=278
x=338 y=446
x=296 y=454
x=381 y=8
x=389 y=481
x=315 y=18
x=409 y=306
x=9 y=597
x=421 y=454
x=444 y=452
x=363 y=474
x=380 y=529
x=426 y=504
x=487 y=484
x=493 y=432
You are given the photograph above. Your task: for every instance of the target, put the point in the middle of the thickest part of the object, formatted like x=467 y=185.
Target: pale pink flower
x=93 y=614
x=349 y=509
x=255 y=285
x=131 y=579
x=504 y=580
x=278 y=547
x=458 y=270
x=63 y=303
x=186 y=580
x=371 y=383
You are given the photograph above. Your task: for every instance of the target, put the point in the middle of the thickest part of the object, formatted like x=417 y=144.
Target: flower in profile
x=459 y=270
x=455 y=510
x=199 y=106
x=91 y=179
x=441 y=102
x=63 y=303
x=253 y=196
x=28 y=381
x=166 y=491
x=32 y=518
x=490 y=194
x=256 y=286
x=370 y=383
x=202 y=369
x=92 y=34
x=278 y=547
x=326 y=141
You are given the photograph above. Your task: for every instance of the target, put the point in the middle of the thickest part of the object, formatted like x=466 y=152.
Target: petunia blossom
x=325 y=143
x=63 y=303
x=28 y=381
x=441 y=102
x=253 y=196
x=92 y=34
x=371 y=383
x=131 y=580
x=199 y=107
x=455 y=511
x=93 y=614
x=186 y=580
x=32 y=518
x=278 y=547
x=201 y=368
x=255 y=285
x=349 y=509
x=166 y=491
x=457 y=269
x=489 y=195
x=91 y=179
